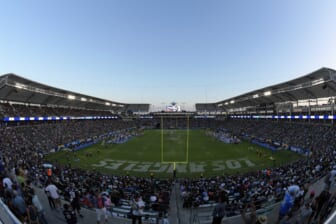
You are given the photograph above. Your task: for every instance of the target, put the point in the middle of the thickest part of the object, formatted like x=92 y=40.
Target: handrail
x=6 y=214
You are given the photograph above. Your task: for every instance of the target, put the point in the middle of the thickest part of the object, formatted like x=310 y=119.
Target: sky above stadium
x=157 y=52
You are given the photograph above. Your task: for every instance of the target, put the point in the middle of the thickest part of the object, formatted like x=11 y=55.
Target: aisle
x=56 y=216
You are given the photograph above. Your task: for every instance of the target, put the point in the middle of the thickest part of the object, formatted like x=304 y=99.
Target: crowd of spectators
x=268 y=185
x=303 y=135
x=122 y=136
x=223 y=135
x=23 y=110
x=22 y=150
x=47 y=136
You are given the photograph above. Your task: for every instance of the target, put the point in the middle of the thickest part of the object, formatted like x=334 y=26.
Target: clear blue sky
x=155 y=51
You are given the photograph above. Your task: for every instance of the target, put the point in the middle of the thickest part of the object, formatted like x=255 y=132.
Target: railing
x=203 y=215
x=6 y=216
x=124 y=212
x=331 y=219
x=148 y=216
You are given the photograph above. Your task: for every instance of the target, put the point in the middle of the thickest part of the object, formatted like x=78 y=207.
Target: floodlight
x=255 y=96
x=232 y=101
x=83 y=99
x=71 y=97
x=19 y=85
x=107 y=104
x=318 y=81
x=267 y=93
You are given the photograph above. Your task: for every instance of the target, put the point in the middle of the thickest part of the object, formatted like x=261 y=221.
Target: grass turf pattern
x=143 y=156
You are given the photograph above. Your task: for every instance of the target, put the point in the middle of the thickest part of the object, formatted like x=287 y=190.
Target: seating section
x=21 y=110
x=24 y=146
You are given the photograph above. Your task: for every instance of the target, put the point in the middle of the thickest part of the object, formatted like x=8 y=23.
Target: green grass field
x=154 y=152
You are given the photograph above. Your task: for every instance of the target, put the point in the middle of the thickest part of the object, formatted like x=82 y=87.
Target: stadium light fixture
x=71 y=97
x=226 y=103
x=107 y=104
x=232 y=101
x=83 y=99
x=267 y=93
x=19 y=85
x=255 y=96
x=318 y=81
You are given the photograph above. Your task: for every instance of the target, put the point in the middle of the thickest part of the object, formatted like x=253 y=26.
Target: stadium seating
x=24 y=145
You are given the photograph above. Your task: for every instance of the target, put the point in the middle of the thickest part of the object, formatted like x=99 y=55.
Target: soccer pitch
x=157 y=152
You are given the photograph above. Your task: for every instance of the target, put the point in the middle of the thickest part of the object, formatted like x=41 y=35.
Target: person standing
x=69 y=215
x=322 y=199
x=19 y=205
x=138 y=207
x=52 y=192
x=7 y=183
x=288 y=201
x=32 y=214
x=100 y=207
x=218 y=212
x=75 y=203
x=38 y=205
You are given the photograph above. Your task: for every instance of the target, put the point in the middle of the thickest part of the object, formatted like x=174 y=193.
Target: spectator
x=288 y=201
x=38 y=205
x=137 y=209
x=218 y=212
x=75 y=203
x=252 y=218
x=53 y=195
x=100 y=208
x=32 y=214
x=69 y=215
x=19 y=205
x=304 y=214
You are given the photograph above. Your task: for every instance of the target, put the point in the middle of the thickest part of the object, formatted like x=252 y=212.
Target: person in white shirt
x=137 y=209
x=52 y=190
x=7 y=183
x=332 y=178
x=153 y=197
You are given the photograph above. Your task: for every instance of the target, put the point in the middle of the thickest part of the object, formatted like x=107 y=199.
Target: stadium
x=167 y=112
x=257 y=144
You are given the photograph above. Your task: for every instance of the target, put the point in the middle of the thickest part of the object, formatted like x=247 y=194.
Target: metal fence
x=6 y=216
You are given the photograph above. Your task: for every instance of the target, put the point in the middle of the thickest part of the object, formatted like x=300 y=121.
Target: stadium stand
x=26 y=140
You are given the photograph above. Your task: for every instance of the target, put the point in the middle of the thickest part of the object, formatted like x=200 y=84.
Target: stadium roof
x=18 y=89
x=318 y=84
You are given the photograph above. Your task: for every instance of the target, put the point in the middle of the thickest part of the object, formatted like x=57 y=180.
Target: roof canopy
x=318 y=84
x=19 y=89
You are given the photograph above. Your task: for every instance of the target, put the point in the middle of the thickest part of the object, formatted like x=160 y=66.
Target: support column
x=309 y=112
x=332 y=111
